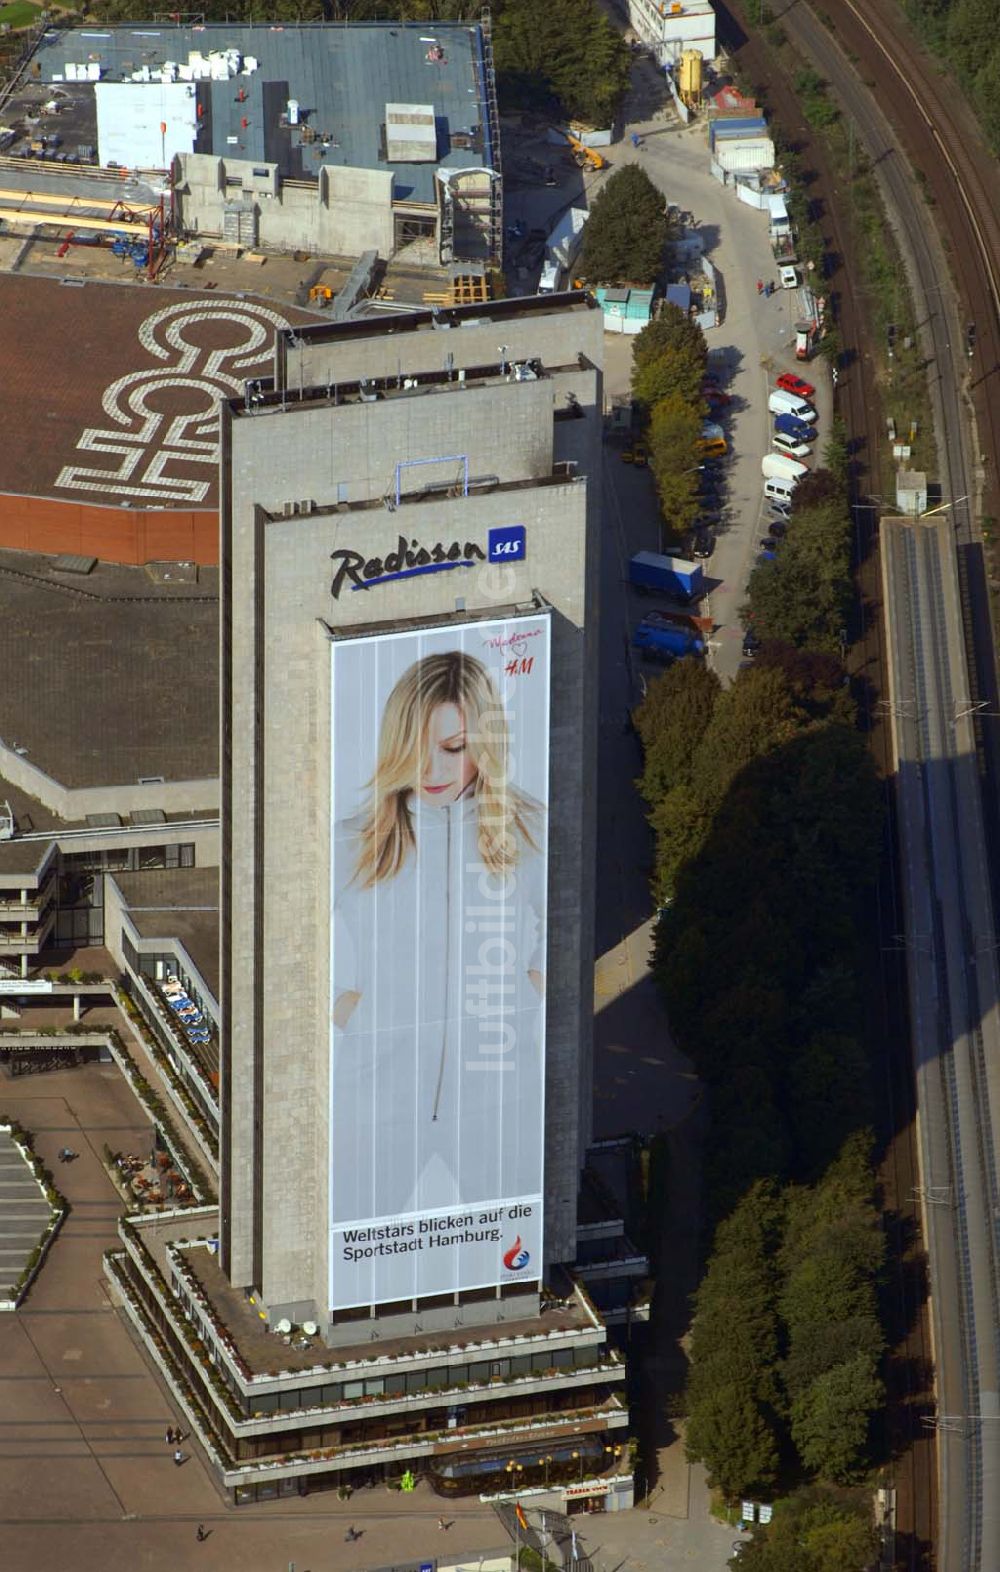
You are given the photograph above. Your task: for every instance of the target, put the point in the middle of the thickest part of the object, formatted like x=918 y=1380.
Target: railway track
x=939 y=137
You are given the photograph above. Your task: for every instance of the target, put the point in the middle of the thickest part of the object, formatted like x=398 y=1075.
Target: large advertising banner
x=439 y=824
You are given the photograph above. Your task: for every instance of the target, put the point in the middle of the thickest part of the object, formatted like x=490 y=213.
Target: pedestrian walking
x=178 y=1458
x=760 y=286
x=169 y=1437
x=442 y=1523
x=201 y=1535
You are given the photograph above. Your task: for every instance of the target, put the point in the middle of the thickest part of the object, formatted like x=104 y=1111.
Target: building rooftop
x=75 y=364
x=180 y=904
x=340 y=78
x=264 y=1350
x=112 y=677
x=435 y=319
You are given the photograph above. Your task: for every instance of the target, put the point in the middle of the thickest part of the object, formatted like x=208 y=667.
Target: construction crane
x=582 y=154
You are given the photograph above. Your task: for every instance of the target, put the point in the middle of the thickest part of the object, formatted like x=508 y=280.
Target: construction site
x=257 y=139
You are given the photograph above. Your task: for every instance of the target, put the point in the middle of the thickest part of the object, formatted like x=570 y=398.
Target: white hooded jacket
x=437 y=1077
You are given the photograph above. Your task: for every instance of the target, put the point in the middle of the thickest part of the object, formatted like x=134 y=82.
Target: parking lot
x=753 y=344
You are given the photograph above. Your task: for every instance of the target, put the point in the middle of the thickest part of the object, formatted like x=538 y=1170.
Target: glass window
x=395 y=1385
x=374 y=1388
x=354 y=1389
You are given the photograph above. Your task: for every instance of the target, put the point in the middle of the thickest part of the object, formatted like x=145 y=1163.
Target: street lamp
x=545 y=1461
x=579 y=1457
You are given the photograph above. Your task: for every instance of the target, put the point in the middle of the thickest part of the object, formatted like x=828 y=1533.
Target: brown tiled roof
x=63 y=348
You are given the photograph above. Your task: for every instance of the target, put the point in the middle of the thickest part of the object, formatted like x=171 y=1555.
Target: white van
x=778 y=490
x=781 y=466
x=782 y=403
x=549 y=281
x=782 y=443
x=788 y=276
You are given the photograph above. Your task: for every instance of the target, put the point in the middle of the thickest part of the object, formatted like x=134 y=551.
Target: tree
x=814 y=1531
x=671 y=330
x=674 y=430
x=681 y=821
x=803 y=595
x=756 y=714
x=565 y=54
x=827 y=1096
x=671 y=721
x=678 y=371
x=669 y=356
x=734 y=1345
x=832 y=1418
x=729 y=1432
x=626 y=233
x=820 y=485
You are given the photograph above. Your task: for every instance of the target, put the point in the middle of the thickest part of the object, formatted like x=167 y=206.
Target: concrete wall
x=346 y=212
x=276 y=598
x=129 y=535
x=73 y=804
x=556 y=339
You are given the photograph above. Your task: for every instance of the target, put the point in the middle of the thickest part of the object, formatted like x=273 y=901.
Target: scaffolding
x=137 y=230
x=496 y=157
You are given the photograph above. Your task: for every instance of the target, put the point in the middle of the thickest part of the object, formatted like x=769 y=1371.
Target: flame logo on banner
x=516 y=1257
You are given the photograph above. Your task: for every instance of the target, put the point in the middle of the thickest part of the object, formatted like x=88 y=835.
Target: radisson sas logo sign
x=410 y=559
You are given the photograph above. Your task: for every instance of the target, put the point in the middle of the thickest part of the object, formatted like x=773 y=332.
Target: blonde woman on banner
x=438 y=951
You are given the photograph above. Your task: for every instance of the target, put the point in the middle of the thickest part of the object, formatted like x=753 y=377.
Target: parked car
x=788 y=276
x=793 y=384
x=792 y=426
x=715 y=398
x=751 y=644
x=788 y=445
x=778 y=528
x=782 y=509
x=704 y=542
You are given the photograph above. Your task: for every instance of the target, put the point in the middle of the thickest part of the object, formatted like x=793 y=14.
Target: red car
x=793 y=384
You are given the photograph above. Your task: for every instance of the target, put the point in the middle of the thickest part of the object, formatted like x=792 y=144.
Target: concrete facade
x=342 y=213
x=669 y=27
x=305 y=474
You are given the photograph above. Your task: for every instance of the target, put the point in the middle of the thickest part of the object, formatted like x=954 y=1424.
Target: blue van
x=789 y=426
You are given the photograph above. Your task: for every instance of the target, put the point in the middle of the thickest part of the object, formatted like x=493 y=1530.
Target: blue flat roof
x=341 y=75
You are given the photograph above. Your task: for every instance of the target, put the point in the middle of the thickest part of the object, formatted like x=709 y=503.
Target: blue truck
x=663 y=640
x=673 y=576
x=797 y=429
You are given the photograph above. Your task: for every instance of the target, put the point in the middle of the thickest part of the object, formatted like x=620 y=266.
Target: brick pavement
x=86 y=1479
